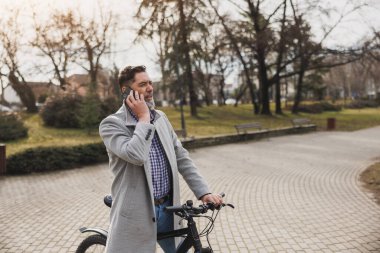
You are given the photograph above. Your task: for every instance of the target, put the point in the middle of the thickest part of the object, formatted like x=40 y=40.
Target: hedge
x=11 y=127
x=318 y=107
x=360 y=104
x=41 y=159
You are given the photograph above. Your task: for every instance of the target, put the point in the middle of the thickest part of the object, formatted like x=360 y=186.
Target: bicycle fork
x=195 y=235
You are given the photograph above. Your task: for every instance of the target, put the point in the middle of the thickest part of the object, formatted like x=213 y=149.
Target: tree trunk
x=278 y=97
x=188 y=70
x=298 y=97
x=280 y=52
x=24 y=92
x=2 y=95
x=260 y=47
x=264 y=89
x=240 y=95
x=222 y=99
x=286 y=93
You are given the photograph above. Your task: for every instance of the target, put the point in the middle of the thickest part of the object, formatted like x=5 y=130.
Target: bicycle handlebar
x=188 y=207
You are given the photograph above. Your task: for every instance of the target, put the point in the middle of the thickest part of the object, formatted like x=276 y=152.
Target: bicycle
x=97 y=241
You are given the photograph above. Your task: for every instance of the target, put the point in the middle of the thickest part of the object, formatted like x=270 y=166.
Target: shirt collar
x=151 y=112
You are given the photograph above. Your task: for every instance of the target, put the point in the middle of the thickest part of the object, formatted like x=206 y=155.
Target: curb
x=232 y=138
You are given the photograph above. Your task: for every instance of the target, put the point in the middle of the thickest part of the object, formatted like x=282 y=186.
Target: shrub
x=312 y=108
x=94 y=110
x=326 y=106
x=62 y=111
x=318 y=107
x=359 y=104
x=77 y=112
x=90 y=112
x=55 y=158
x=108 y=106
x=11 y=127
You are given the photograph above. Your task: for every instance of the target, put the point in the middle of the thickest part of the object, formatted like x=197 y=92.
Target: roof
x=79 y=78
x=42 y=88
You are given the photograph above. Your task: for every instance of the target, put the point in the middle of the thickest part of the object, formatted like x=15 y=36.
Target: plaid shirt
x=159 y=163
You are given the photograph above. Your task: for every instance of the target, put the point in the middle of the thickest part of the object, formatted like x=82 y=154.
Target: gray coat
x=132 y=219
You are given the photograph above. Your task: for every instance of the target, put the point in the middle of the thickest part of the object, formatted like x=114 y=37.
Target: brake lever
x=223 y=205
x=212 y=207
x=230 y=205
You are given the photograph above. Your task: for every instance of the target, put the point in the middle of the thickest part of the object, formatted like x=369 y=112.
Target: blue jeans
x=165 y=223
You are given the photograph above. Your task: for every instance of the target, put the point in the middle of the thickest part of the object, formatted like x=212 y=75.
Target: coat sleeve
x=133 y=148
x=187 y=168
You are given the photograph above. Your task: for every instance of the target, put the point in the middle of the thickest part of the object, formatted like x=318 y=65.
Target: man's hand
x=138 y=106
x=216 y=199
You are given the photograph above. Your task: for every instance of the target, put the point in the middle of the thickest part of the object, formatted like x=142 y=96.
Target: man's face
x=143 y=85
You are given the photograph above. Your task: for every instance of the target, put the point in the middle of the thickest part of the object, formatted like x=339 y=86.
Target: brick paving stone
x=295 y=193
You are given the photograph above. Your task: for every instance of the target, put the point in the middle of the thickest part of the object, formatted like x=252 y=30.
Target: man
x=145 y=157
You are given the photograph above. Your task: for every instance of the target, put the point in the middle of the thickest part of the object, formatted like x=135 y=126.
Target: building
x=79 y=83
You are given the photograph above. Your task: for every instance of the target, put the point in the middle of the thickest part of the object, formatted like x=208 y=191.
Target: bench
x=244 y=127
x=298 y=122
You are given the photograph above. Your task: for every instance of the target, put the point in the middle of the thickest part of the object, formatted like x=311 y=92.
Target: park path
x=297 y=193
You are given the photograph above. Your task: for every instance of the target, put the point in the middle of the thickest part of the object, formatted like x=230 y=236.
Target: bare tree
x=3 y=77
x=203 y=57
x=355 y=80
x=280 y=55
x=186 y=18
x=94 y=38
x=162 y=32
x=310 y=55
x=55 y=40
x=273 y=49
x=235 y=44
x=224 y=61
x=10 y=41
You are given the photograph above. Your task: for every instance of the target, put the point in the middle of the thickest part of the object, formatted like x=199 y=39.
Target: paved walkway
x=292 y=194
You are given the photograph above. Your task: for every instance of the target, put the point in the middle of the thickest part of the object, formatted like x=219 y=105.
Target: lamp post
x=183 y=125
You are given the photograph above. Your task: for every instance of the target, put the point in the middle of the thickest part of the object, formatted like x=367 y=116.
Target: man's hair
x=127 y=75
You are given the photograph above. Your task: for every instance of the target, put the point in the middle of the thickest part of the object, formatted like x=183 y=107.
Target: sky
x=352 y=28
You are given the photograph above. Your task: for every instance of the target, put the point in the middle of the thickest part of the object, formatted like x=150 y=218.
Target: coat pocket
x=129 y=199
x=129 y=202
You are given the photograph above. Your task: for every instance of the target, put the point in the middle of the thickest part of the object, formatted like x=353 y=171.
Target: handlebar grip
x=173 y=209
x=222 y=194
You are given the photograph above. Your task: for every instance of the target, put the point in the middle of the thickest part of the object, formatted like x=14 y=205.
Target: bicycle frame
x=191 y=232
x=192 y=238
x=187 y=212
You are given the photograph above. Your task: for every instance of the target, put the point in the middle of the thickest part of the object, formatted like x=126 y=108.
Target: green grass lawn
x=349 y=119
x=220 y=120
x=39 y=135
x=213 y=120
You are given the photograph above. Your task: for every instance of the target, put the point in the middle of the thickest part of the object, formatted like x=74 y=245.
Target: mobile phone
x=127 y=92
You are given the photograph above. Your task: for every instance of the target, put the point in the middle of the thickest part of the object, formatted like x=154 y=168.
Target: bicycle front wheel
x=92 y=244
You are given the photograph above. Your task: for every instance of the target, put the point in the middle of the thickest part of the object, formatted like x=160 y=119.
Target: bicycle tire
x=92 y=240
